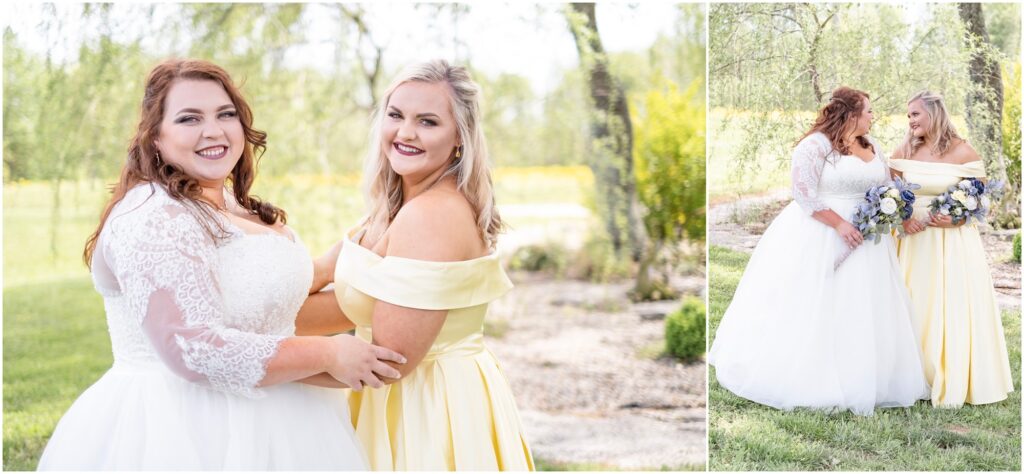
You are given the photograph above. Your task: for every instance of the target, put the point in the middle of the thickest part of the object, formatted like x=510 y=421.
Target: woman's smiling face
x=918 y=119
x=200 y=131
x=419 y=134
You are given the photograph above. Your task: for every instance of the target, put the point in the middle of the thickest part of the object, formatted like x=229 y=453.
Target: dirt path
x=579 y=359
x=757 y=212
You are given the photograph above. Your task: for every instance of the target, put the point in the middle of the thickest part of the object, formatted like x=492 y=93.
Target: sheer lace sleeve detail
x=164 y=262
x=808 y=162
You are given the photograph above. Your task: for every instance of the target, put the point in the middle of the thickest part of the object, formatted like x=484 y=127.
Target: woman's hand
x=323 y=268
x=912 y=226
x=357 y=363
x=944 y=221
x=850 y=234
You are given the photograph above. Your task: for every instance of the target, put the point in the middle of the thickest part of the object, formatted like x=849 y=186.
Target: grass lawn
x=55 y=345
x=545 y=465
x=55 y=339
x=744 y=436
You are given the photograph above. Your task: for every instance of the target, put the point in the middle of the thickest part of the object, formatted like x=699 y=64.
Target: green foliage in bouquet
x=685 y=329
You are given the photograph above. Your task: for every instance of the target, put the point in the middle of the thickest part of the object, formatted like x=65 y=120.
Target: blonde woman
x=945 y=268
x=417 y=277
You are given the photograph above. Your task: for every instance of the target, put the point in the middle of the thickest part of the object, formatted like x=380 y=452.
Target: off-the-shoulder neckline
x=969 y=163
x=349 y=242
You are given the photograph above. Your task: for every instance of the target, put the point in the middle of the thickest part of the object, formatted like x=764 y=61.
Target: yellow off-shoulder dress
x=455 y=411
x=955 y=311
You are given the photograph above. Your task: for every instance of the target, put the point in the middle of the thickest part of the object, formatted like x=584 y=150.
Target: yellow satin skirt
x=454 y=412
x=956 y=316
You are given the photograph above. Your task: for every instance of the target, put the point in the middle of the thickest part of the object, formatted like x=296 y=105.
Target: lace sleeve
x=808 y=162
x=164 y=262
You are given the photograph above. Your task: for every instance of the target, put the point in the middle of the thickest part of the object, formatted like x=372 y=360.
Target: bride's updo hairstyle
x=839 y=116
x=940 y=129
x=471 y=168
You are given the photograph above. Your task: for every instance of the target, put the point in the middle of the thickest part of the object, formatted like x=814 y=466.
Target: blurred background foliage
x=771 y=67
x=72 y=85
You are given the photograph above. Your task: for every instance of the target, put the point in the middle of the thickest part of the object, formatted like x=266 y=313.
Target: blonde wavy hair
x=941 y=129
x=382 y=186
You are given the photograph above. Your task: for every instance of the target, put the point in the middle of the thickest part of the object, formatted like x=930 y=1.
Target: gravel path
x=580 y=360
x=756 y=213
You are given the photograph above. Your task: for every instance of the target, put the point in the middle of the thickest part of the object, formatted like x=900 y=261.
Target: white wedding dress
x=192 y=326
x=800 y=333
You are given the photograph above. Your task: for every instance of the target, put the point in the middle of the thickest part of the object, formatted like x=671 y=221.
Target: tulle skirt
x=801 y=333
x=146 y=418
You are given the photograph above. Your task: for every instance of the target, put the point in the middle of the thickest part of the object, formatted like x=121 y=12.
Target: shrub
x=551 y=258
x=685 y=330
x=1016 y=248
x=597 y=261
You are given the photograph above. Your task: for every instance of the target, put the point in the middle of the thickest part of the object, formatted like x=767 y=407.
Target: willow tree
x=772 y=65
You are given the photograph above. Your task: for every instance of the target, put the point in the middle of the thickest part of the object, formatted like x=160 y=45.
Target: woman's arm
x=808 y=163
x=175 y=295
x=323 y=268
x=961 y=154
x=320 y=314
x=436 y=226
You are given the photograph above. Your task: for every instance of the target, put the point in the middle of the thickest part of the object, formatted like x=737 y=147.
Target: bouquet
x=968 y=199
x=884 y=208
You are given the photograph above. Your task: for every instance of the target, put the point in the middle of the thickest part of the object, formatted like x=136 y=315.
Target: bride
x=201 y=288
x=800 y=333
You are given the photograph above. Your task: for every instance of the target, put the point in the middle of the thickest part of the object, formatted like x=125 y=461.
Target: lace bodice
x=212 y=311
x=820 y=172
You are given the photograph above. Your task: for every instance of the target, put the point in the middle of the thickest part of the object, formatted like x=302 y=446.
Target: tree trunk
x=611 y=159
x=985 y=105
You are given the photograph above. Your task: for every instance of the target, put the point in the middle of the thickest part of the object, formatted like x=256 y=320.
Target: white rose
x=958 y=211
x=888 y=205
x=944 y=212
x=972 y=203
x=893 y=193
x=960 y=196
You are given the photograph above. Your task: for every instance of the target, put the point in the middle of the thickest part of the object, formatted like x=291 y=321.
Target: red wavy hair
x=839 y=116
x=144 y=165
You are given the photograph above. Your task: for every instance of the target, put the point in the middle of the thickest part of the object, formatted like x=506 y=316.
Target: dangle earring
x=458 y=151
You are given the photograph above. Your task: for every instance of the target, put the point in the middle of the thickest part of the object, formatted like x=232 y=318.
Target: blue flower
x=908 y=196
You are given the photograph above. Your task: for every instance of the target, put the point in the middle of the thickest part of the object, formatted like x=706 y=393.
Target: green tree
x=771 y=65
x=670 y=174
x=610 y=155
x=1012 y=126
x=985 y=107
